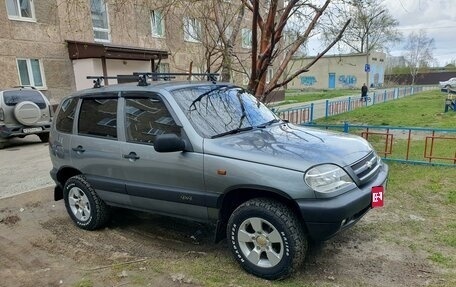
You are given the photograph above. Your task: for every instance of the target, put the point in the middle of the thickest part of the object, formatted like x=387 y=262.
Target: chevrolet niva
x=211 y=152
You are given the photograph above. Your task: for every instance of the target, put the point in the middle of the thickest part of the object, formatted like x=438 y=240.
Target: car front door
x=167 y=183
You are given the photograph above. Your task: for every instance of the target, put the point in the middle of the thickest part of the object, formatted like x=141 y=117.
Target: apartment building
x=54 y=44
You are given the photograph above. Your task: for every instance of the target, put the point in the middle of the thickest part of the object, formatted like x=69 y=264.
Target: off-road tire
x=284 y=221
x=97 y=211
x=44 y=137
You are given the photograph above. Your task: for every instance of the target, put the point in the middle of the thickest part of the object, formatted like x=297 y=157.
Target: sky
x=436 y=17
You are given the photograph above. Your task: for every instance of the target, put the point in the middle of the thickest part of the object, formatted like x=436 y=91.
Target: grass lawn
x=421 y=110
x=298 y=96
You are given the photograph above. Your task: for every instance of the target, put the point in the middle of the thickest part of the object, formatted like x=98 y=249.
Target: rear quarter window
x=65 y=117
x=13 y=98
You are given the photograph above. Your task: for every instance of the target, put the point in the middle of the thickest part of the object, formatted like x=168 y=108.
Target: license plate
x=377 y=196
x=32 y=130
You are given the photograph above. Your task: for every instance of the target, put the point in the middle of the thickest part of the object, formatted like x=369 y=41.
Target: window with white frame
x=192 y=30
x=246 y=38
x=157 y=23
x=20 y=10
x=31 y=73
x=100 y=23
x=163 y=68
x=269 y=74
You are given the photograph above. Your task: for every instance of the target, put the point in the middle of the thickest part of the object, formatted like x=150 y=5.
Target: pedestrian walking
x=364 y=90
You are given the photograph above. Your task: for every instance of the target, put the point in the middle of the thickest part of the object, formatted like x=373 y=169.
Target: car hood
x=290 y=146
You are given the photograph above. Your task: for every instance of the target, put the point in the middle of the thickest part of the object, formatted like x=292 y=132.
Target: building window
x=246 y=38
x=157 y=23
x=20 y=10
x=269 y=74
x=31 y=73
x=100 y=21
x=192 y=30
x=163 y=68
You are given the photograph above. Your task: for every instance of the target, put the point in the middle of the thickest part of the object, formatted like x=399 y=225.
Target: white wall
x=83 y=68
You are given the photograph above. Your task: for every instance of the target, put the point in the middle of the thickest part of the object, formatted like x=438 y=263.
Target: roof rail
x=142 y=77
x=23 y=87
x=97 y=80
x=167 y=76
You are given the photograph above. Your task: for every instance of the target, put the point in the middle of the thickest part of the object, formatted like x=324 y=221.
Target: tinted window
x=147 y=118
x=98 y=117
x=14 y=97
x=64 y=121
x=214 y=110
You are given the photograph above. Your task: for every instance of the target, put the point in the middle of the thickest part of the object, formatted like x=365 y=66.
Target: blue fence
x=307 y=113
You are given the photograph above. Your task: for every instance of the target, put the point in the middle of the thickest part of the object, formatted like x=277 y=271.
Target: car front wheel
x=266 y=238
x=83 y=205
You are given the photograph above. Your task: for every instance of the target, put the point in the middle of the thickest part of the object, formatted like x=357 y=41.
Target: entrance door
x=332 y=81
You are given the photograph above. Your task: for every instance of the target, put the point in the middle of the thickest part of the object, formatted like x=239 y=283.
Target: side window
x=65 y=118
x=98 y=117
x=147 y=118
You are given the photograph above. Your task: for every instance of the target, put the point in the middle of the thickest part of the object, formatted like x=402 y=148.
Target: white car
x=451 y=83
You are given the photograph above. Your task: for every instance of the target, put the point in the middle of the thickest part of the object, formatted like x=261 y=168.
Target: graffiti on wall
x=308 y=80
x=347 y=80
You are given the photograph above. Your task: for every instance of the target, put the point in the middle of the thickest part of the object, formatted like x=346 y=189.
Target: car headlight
x=327 y=178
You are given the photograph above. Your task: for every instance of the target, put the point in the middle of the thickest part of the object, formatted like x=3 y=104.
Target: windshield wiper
x=231 y=132
x=268 y=123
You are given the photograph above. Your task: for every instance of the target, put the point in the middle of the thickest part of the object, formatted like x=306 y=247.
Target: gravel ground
x=24 y=166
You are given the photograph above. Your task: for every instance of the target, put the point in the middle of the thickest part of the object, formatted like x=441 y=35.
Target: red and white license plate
x=377 y=196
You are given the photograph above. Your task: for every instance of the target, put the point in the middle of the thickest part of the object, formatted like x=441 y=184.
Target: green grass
x=421 y=110
x=298 y=97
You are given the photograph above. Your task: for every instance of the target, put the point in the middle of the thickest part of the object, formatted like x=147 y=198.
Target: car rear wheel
x=83 y=205
x=266 y=238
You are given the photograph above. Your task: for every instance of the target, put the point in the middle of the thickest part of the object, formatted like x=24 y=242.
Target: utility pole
x=368 y=23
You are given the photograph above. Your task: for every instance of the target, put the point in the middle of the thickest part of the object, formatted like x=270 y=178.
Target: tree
x=268 y=31
x=418 y=56
x=372 y=25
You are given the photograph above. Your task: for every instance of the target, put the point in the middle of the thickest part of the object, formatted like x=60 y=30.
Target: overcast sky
x=436 y=17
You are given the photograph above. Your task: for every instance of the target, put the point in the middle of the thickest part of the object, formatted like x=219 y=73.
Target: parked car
x=24 y=111
x=210 y=152
x=451 y=84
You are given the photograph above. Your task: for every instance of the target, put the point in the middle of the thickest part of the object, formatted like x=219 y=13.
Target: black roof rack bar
x=23 y=87
x=210 y=76
x=97 y=80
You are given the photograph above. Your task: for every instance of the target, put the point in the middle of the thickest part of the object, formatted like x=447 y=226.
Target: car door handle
x=131 y=156
x=78 y=149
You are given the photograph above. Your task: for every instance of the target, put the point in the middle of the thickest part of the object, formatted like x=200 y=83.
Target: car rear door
x=95 y=148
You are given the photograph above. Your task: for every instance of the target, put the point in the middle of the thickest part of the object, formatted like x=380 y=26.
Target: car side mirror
x=168 y=143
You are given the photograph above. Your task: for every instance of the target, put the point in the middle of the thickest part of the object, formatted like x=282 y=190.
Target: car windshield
x=13 y=98
x=216 y=111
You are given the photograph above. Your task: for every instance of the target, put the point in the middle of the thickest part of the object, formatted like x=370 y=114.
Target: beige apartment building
x=339 y=71
x=54 y=45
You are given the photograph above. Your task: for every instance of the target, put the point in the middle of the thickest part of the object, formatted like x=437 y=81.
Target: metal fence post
x=349 y=103
x=384 y=96
x=311 y=112
x=346 y=127
x=327 y=109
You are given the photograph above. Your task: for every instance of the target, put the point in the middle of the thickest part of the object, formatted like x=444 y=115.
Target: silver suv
x=211 y=152
x=23 y=112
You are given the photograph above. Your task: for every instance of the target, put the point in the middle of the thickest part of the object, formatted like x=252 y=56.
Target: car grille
x=367 y=168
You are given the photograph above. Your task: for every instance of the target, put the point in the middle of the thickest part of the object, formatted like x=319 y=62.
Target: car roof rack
x=142 y=77
x=25 y=87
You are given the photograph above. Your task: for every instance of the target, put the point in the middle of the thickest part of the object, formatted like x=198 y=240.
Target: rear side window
x=98 y=117
x=64 y=121
x=13 y=98
x=146 y=118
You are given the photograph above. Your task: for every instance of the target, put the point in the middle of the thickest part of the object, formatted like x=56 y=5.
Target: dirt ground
x=40 y=246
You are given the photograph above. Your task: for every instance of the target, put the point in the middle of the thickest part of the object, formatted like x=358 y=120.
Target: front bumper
x=324 y=218
x=18 y=131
